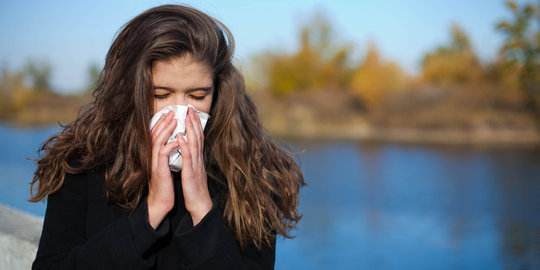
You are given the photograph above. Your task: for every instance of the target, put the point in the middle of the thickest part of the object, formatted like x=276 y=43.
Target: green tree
x=7 y=82
x=460 y=41
x=93 y=72
x=39 y=74
x=522 y=48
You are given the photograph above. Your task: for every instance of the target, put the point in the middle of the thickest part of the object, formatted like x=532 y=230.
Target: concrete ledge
x=19 y=237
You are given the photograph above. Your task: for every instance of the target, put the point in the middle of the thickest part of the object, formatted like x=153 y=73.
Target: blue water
x=381 y=205
x=16 y=171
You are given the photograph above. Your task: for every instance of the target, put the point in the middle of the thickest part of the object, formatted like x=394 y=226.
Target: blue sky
x=72 y=34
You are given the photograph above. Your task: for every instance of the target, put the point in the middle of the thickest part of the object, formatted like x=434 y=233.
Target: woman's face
x=182 y=81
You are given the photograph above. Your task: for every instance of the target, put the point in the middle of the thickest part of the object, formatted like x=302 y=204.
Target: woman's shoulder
x=77 y=179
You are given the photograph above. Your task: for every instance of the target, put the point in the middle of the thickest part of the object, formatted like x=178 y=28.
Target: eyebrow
x=207 y=88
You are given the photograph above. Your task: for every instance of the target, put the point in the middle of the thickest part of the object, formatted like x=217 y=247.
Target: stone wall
x=19 y=237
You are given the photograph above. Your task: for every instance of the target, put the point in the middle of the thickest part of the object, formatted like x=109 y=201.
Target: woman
x=113 y=202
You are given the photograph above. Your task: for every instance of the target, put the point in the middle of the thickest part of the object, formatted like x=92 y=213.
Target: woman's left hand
x=194 y=181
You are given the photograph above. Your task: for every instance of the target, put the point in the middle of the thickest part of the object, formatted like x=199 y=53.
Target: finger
x=165 y=151
x=162 y=134
x=163 y=125
x=197 y=127
x=159 y=139
x=184 y=149
x=162 y=122
x=192 y=141
x=162 y=160
x=158 y=121
x=156 y=125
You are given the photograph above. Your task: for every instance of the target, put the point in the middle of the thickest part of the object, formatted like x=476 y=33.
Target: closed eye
x=164 y=96
x=200 y=93
x=161 y=92
x=197 y=97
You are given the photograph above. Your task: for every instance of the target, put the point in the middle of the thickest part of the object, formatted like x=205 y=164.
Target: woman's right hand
x=161 y=187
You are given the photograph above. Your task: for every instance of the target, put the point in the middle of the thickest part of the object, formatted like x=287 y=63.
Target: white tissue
x=180 y=112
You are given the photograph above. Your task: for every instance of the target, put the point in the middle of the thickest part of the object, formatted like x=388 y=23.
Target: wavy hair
x=261 y=179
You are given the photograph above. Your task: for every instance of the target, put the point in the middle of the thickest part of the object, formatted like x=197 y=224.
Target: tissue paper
x=180 y=112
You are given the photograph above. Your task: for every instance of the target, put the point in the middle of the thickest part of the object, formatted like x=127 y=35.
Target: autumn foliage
x=318 y=64
x=454 y=87
x=327 y=78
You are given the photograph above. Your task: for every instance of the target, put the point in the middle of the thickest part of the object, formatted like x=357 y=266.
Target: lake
x=380 y=205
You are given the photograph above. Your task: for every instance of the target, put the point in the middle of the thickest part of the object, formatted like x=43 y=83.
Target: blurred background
x=417 y=122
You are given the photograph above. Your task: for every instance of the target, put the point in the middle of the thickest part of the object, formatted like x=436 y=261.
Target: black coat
x=82 y=231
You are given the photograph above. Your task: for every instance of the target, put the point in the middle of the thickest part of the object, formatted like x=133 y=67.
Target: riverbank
x=46 y=109
x=19 y=238
x=415 y=136
x=335 y=115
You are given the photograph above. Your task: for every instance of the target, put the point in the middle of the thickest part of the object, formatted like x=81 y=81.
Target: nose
x=180 y=100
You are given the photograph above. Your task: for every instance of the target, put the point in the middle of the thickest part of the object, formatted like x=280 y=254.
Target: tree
x=460 y=41
x=452 y=64
x=375 y=79
x=319 y=63
x=13 y=92
x=93 y=76
x=522 y=48
x=39 y=73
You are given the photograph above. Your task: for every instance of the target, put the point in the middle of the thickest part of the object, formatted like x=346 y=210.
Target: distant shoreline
x=397 y=135
x=312 y=116
x=418 y=136
x=307 y=119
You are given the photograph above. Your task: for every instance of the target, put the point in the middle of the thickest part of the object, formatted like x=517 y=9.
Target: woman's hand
x=161 y=186
x=194 y=182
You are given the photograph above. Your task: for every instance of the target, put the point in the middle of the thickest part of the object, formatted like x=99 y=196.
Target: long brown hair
x=261 y=179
